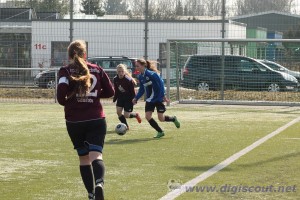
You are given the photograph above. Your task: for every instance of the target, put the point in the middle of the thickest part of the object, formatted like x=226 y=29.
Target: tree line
x=159 y=9
x=165 y=9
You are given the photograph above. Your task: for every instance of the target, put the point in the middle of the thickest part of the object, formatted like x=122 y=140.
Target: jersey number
x=95 y=93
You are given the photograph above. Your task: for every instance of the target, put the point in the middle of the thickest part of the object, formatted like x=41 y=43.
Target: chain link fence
x=239 y=71
x=34 y=36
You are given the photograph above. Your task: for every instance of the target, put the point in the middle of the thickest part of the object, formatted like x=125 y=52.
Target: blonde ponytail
x=81 y=75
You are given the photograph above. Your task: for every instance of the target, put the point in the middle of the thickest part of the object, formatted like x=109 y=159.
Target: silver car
x=281 y=68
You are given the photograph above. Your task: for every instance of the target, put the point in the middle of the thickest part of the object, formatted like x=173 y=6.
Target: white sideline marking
x=177 y=192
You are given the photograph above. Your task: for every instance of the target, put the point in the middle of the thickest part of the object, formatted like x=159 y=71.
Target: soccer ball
x=121 y=129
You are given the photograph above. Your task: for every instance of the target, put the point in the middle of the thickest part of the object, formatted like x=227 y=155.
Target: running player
x=80 y=87
x=153 y=85
x=124 y=93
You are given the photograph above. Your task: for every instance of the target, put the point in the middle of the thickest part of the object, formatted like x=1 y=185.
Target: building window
x=59 y=54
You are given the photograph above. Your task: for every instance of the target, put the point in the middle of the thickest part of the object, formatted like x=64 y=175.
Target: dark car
x=278 y=67
x=109 y=63
x=46 y=79
x=203 y=72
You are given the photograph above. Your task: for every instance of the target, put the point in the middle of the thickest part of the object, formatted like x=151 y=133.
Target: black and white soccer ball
x=174 y=184
x=121 y=129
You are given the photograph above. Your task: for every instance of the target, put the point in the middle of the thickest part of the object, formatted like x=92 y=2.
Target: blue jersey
x=151 y=84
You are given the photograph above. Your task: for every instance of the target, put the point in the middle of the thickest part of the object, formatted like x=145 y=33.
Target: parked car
x=109 y=63
x=281 y=68
x=46 y=79
x=203 y=72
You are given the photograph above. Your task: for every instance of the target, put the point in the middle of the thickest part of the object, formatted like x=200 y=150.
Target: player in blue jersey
x=152 y=84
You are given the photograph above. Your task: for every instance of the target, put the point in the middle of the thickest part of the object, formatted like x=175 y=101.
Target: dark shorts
x=125 y=103
x=160 y=107
x=87 y=136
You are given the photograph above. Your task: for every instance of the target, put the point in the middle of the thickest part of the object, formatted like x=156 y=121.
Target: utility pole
x=223 y=50
x=146 y=29
x=71 y=20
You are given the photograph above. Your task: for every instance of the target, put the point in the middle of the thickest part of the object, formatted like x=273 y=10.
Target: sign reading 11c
x=40 y=46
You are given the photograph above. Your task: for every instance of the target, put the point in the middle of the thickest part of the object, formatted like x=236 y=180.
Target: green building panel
x=254 y=49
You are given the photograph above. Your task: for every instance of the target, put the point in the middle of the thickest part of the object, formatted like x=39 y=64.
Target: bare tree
x=163 y=10
x=115 y=7
x=173 y=9
x=254 y=6
x=195 y=7
x=179 y=8
x=92 y=7
x=137 y=9
x=213 y=8
x=61 y=6
x=157 y=9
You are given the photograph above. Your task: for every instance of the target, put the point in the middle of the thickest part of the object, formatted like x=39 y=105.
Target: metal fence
x=28 y=85
x=32 y=85
x=234 y=70
x=34 y=38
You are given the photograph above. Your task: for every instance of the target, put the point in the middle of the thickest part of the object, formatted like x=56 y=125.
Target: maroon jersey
x=124 y=88
x=87 y=107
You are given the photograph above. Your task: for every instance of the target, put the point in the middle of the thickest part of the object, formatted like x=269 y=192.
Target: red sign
x=40 y=46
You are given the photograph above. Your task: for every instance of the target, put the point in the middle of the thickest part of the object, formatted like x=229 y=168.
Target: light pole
x=71 y=20
x=146 y=29
x=223 y=50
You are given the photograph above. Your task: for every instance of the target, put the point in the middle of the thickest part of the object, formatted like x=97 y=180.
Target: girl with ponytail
x=80 y=87
x=124 y=93
x=152 y=84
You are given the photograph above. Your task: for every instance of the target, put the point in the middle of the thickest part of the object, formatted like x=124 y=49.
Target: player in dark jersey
x=80 y=87
x=152 y=84
x=124 y=93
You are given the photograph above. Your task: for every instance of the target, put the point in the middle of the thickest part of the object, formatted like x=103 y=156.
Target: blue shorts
x=87 y=136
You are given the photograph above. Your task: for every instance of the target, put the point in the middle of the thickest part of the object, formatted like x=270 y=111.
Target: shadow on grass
x=202 y=168
x=111 y=132
x=274 y=159
x=227 y=168
x=293 y=111
x=131 y=141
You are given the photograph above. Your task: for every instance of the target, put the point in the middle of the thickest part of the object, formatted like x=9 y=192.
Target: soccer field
x=37 y=160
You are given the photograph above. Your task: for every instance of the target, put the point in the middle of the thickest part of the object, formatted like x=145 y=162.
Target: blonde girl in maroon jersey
x=124 y=92
x=81 y=85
